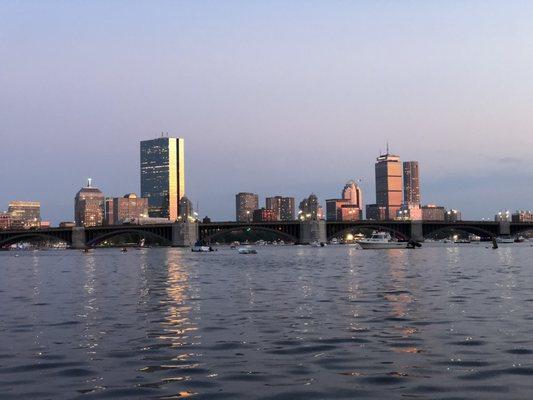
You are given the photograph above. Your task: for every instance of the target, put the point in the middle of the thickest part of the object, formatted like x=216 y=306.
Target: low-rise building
x=453 y=216
x=264 y=215
x=350 y=212
x=432 y=212
x=126 y=208
x=522 y=216
x=409 y=212
x=503 y=216
x=25 y=214
x=375 y=212
x=186 y=209
x=348 y=206
x=310 y=209
x=5 y=220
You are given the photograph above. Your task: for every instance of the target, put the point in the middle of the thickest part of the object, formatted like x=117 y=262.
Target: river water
x=290 y=322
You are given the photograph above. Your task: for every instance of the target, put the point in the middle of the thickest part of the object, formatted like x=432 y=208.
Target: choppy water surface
x=287 y=323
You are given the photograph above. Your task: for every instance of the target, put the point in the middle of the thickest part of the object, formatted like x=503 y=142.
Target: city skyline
x=397 y=72
x=405 y=175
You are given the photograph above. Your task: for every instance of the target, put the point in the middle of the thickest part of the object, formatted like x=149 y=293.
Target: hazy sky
x=275 y=97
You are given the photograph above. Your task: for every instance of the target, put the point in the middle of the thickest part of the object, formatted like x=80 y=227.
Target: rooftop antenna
x=387 y=147
x=89 y=180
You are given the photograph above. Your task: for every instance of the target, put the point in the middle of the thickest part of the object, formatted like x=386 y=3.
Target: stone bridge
x=303 y=232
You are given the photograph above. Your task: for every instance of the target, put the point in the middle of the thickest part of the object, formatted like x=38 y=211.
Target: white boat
x=318 y=244
x=381 y=240
x=201 y=249
x=247 y=250
x=504 y=239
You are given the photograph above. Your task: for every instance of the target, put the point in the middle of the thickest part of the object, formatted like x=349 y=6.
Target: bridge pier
x=184 y=234
x=78 y=238
x=313 y=231
x=504 y=228
x=416 y=232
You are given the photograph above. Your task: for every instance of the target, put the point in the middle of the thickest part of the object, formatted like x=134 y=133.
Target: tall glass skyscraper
x=411 y=183
x=163 y=176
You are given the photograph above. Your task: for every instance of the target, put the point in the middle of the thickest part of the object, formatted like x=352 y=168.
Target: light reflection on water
x=287 y=323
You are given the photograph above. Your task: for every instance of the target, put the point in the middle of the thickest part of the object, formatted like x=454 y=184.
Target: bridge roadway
x=186 y=233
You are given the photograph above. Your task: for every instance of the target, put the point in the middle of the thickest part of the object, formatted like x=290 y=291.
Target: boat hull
x=382 y=246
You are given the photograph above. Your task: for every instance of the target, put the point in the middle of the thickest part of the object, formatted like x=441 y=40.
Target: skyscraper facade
x=282 y=206
x=186 y=209
x=163 y=176
x=310 y=209
x=388 y=184
x=89 y=206
x=347 y=208
x=25 y=214
x=245 y=204
x=411 y=183
x=125 y=209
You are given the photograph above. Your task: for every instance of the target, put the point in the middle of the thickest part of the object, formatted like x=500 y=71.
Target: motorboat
x=381 y=240
x=504 y=239
x=201 y=249
x=247 y=250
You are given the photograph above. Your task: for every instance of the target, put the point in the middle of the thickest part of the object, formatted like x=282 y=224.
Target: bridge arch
x=377 y=227
x=285 y=236
x=465 y=228
x=516 y=231
x=17 y=238
x=141 y=232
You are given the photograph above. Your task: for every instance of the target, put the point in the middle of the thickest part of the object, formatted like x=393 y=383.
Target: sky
x=273 y=97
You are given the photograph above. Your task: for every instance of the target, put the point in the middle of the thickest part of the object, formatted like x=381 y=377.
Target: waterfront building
x=522 y=216
x=350 y=212
x=148 y=221
x=125 y=209
x=163 y=176
x=264 y=215
x=67 y=224
x=409 y=212
x=245 y=204
x=503 y=216
x=411 y=183
x=186 y=209
x=25 y=214
x=283 y=207
x=375 y=212
x=432 y=212
x=453 y=216
x=5 y=220
x=89 y=206
x=388 y=170
x=320 y=213
x=109 y=208
x=349 y=206
x=310 y=209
